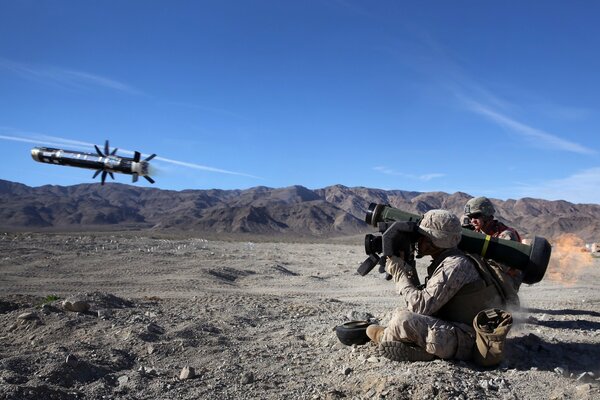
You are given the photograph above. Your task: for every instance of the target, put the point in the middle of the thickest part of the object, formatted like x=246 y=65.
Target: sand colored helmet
x=480 y=205
x=442 y=227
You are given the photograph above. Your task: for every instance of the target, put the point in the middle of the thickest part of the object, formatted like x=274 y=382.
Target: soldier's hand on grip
x=395 y=266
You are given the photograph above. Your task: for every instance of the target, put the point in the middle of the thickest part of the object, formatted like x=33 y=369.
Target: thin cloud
x=60 y=142
x=65 y=77
x=429 y=57
x=581 y=187
x=424 y=177
x=537 y=136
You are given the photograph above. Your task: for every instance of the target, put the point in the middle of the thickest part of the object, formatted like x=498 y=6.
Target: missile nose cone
x=35 y=154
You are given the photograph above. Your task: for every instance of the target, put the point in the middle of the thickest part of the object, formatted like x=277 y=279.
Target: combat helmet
x=480 y=205
x=442 y=227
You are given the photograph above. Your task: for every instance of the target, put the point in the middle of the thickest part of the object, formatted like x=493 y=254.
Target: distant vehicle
x=105 y=162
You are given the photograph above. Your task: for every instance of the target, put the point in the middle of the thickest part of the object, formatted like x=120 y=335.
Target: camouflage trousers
x=438 y=337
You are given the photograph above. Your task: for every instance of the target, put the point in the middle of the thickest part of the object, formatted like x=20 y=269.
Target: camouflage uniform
x=496 y=229
x=419 y=321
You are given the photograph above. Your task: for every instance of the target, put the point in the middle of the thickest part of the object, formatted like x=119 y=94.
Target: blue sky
x=489 y=98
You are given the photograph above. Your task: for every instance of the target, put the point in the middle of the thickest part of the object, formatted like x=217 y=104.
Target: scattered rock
x=146 y=371
x=355 y=315
x=28 y=316
x=72 y=361
x=104 y=313
x=154 y=328
x=347 y=371
x=75 y=305
x=247 y=378
x=187 y=373
x=586 y=377
x=584 y=389
x=123 y=380
x=47 y=309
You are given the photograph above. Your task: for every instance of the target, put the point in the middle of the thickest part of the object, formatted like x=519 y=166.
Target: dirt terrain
x=187 y=318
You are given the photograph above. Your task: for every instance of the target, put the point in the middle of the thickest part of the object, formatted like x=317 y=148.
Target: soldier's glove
x=396 y=267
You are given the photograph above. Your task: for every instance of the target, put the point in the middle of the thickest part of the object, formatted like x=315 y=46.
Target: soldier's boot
x=375 y=333
x=401 y=351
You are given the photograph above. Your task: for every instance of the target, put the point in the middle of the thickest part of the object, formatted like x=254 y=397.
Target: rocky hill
x=331 y=211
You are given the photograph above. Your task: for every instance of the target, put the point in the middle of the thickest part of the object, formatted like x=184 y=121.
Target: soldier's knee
x=402 y=316
x=441 y=342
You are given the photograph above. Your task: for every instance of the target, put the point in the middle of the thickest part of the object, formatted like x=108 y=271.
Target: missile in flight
x=104 y=162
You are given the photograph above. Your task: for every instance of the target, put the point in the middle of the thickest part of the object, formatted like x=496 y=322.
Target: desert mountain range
x=292 y=211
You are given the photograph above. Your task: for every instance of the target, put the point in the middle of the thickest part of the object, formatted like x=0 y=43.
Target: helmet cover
x=442 y=227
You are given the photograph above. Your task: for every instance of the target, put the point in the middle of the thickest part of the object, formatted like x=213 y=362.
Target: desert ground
x=193 y=318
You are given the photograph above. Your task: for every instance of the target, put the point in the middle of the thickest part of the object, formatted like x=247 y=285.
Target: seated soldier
x=438 y=317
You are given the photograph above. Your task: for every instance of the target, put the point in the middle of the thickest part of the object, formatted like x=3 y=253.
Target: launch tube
x=532 y=260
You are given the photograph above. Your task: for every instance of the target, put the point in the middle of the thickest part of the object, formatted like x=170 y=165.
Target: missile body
x=105 y=163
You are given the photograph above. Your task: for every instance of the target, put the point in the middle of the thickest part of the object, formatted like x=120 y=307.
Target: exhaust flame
x=569 y=260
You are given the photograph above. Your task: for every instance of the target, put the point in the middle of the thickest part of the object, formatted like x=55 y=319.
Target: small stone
x=187 y=373
x=247 y=378
x=76 y=305
x=123 y=380
x=145 y=371
x=104 y=313
x=150 y=349
x=154 y=328
x=559 y=371
x=28 y=316
x=585 y=376
x=355 y=315
x=71 y=361
x=347 y=371
x=372 y=359
x=583 y=389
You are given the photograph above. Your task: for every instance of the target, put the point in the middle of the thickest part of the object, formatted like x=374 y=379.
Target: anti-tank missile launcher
x=399 y=233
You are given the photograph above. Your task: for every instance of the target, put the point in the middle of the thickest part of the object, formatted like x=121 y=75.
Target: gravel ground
x=173 y=318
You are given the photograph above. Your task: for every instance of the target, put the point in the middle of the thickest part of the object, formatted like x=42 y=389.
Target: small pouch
x=491 y=328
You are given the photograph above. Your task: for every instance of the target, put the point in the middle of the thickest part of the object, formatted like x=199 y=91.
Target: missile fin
x=149 y=179
x=134 y=177
x=136 y=156
x=150 y=157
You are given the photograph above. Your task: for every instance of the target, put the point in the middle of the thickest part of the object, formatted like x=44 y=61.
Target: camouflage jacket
x=447 y=274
